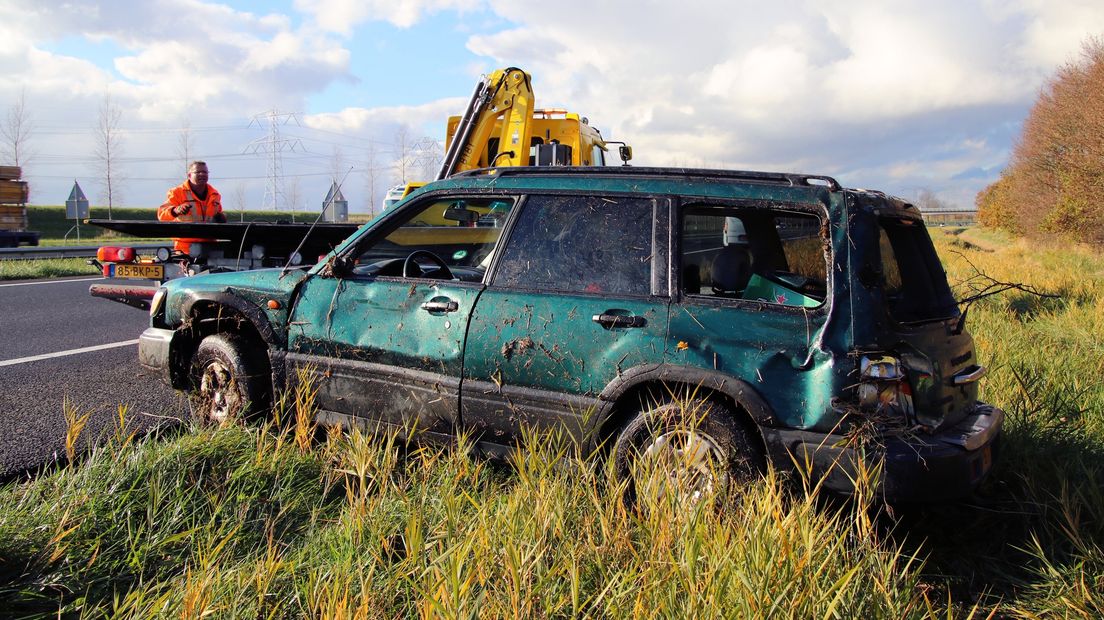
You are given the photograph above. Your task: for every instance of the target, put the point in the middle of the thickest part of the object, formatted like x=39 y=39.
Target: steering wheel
x=411 y=264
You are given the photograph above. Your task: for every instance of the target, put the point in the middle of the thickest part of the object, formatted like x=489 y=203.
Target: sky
x=904 y=96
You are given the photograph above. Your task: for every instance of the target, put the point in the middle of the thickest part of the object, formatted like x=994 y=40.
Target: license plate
x=139 y=271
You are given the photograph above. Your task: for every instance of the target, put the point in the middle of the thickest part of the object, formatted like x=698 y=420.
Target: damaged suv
x=804 y=323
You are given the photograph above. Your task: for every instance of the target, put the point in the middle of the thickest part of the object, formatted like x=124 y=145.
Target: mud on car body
x=794 y=320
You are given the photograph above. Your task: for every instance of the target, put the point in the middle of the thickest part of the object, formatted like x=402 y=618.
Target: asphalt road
x=60 y=347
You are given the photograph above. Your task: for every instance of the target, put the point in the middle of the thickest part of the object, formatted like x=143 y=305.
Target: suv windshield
x=915 y=285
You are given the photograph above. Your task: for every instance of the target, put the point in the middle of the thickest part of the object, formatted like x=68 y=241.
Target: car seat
x=731 y=270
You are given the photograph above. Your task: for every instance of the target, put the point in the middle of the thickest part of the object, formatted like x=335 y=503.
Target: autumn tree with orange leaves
x=1054 y=183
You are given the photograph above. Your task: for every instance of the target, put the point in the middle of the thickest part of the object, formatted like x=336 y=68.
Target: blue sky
x=902 y=96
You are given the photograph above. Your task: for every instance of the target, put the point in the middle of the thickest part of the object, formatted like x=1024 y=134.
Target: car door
x=578 y=296
x=382 y=338
x=751 y=300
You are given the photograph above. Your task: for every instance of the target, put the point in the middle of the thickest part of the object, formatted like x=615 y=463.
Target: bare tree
x=292 y=196
x=404 y=155
x=928 y=200
x=108 y=150
x=239 y=198
x=338 y=165
x=185 y=144
x=16 y=131
x=371 y=177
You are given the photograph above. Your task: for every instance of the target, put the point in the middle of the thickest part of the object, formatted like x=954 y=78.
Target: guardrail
x=71 y=251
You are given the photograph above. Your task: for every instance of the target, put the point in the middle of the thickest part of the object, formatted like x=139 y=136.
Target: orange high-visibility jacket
x=201 y=210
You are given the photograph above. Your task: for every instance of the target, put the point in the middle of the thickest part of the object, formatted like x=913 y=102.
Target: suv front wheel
x=685 y=451
x=227 y=379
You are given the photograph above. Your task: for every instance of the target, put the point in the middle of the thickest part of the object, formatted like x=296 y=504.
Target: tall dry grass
x=273 y=521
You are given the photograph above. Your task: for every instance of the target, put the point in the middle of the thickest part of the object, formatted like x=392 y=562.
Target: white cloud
x=342 y=16
x=845 y=86
x=1056 y=28
x=367 y=120
x=901 y=94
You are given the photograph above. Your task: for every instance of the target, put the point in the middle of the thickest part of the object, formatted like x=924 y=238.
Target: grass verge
x=261 y=521
x=248 y=522
x=45 y=268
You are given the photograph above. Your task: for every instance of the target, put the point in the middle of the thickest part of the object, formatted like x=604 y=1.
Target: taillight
x=114 y=254
x=884 y=386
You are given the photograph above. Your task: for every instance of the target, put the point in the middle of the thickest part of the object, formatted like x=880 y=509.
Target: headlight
x=157 y=301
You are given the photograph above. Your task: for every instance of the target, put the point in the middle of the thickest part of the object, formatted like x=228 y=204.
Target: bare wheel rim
x=218 y=395
x=686 y=462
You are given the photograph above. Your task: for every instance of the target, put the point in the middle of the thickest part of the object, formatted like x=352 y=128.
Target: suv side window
x=767 y=255
x=580 y=244
x=460 y=233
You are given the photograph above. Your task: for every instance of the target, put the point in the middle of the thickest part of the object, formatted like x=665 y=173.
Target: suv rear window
x=756 y=254
x=913 y=280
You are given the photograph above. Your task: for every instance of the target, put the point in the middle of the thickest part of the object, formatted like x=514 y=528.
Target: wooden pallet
x=13 y=192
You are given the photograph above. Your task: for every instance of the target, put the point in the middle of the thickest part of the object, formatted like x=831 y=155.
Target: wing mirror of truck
x=624 y=152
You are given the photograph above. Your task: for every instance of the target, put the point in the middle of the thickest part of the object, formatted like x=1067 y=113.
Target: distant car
x=393 y=195
x=794 y=320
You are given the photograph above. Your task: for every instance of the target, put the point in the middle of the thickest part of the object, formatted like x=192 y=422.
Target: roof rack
x=776 y=178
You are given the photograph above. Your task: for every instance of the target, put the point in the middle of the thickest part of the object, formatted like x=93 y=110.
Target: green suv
x=796 y=322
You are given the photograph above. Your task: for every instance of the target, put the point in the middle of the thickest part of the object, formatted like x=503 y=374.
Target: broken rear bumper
x=921 y=468
x=155 y=352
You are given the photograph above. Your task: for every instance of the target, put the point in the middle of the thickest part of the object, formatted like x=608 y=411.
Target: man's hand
x=179 y=210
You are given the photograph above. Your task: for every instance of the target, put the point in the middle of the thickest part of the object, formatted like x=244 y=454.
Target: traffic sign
x=76 y=206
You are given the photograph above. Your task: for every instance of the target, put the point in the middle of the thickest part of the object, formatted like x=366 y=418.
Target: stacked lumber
x=12 y=190
x=13 y=217
x=13 y=195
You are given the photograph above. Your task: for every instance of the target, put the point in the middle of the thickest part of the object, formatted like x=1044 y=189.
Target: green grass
x=248 y=522
x=262 y=522
x=45 y=268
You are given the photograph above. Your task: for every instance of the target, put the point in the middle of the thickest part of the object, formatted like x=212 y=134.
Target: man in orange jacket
x=193 y=201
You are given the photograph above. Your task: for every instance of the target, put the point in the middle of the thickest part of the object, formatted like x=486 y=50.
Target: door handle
x=608 y=320
x=970 y=375
x=441 y=306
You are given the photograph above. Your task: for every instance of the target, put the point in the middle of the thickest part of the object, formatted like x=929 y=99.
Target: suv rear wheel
x=686 y=450
x=227 y=378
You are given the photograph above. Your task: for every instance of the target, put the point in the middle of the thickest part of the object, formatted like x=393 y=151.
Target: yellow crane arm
x=505 y=94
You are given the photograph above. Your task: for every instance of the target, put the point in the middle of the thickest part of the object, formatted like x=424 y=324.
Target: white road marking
x=52 y=282
x=46 y=356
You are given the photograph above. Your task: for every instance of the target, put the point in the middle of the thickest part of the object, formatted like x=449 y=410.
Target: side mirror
x=340 y=266
x=625 y=152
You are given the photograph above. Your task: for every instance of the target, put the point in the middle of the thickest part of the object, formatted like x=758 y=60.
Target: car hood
x=258 y=287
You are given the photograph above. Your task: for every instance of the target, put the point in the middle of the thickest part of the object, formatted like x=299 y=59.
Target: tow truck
x=234 y=246
x=500 y=127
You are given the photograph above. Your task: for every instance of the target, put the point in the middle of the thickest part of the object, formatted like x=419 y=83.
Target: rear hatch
x=923 y=320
